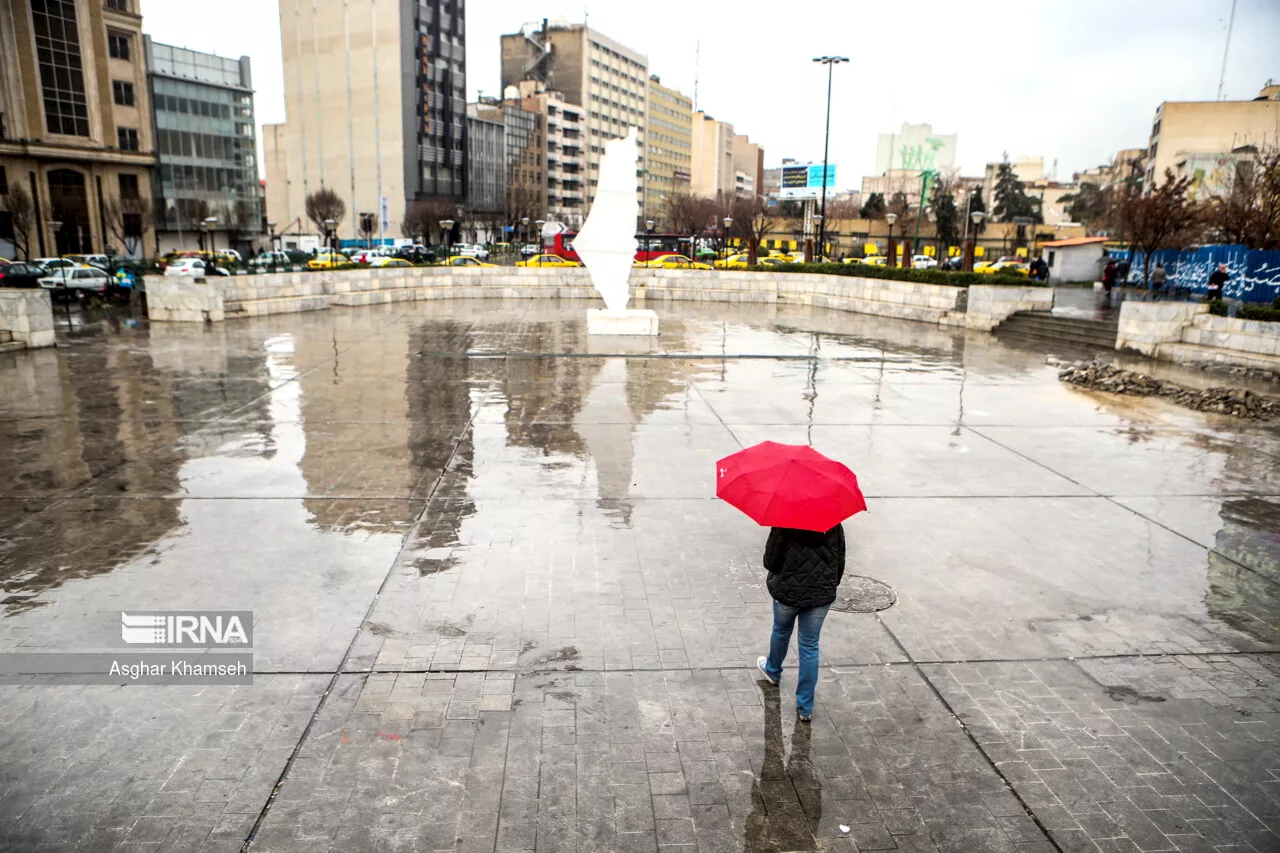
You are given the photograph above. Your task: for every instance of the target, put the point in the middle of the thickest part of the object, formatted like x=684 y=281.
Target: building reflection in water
x=1244 y=568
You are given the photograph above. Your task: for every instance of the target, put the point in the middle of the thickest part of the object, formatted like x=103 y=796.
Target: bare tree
x=752 y=222
x=1161 y=219
x=17 y=203
x=325 y=204
x=127 y=220
x=415 y=224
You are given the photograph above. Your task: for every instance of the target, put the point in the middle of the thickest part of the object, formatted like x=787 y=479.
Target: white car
x=923 y=262
x=190 y=266
x=365 y=256
x=469 y=250
x=85 y=278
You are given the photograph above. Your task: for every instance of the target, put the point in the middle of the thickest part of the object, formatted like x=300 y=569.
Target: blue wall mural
x=1255 y=274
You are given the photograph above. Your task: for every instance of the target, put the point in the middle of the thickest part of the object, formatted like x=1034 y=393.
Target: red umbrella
x=789 y=485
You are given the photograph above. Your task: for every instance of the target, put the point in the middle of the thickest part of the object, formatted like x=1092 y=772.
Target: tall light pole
x=892 y=250
x=446 y=225
x=540 y=223
x=831 y=62
x=210 y=222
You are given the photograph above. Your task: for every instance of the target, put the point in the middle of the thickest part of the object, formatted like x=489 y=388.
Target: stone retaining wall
x=990 y=305
x=26 y=316
x=197 y=300
x=1185 y=332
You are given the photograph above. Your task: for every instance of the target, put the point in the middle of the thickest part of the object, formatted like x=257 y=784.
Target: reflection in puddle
x=1244 y=568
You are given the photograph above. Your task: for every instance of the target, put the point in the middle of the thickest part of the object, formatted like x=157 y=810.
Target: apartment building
x=669 y=146
x=565 y=152
x=713 y=173
x=608 y=79
x=1202 y=131
x=75 y=129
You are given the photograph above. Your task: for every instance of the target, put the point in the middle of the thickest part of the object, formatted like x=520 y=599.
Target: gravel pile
x=1225 y=401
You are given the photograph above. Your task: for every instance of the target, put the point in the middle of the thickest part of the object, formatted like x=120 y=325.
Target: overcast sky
x=1071 y=80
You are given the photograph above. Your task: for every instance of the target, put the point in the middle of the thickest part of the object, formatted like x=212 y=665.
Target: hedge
x=929 y=276
x=1248 y=311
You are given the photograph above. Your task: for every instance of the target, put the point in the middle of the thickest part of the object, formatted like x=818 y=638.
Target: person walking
x=805 y=568
x=1217 y=281
x=1109 y=277
x=1158 y=279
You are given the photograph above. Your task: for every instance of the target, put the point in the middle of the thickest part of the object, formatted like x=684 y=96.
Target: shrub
x=930 y=276
x=1247 y=311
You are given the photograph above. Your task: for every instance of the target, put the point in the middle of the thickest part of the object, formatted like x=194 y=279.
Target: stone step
x=1046 y=319
x=1080 y=332
x=1056 y=341
x=12 y=346
x=5 y=336
x=1107 y=341
x=279 y=305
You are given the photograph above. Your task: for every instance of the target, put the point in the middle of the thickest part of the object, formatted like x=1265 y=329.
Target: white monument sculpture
x=607 y=242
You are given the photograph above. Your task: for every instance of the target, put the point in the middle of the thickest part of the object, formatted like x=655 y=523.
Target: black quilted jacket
x=804 y=567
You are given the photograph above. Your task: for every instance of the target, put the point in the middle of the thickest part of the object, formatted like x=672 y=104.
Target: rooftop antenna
x=1231 y=22
x=697 y=60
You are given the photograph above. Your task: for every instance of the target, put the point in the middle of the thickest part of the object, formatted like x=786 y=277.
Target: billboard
x=804 y=180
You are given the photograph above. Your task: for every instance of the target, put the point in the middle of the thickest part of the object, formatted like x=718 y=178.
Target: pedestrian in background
x=1217 y=281
x=1109 y=277
x=805 y=568
x=1158 y=279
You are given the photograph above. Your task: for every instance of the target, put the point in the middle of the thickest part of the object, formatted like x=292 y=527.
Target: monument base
x=635 y=321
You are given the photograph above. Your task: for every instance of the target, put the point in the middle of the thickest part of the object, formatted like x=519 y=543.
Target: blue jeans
x=784 y=618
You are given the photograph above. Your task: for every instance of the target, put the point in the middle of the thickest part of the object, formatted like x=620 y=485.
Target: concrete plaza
x=497 y=607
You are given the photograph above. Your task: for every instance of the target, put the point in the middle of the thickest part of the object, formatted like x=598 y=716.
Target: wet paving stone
x=488 y=571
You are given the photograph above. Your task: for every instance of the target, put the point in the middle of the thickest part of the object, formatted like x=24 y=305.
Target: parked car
x=528 y=250
x=733 y=262
x=365 y=256
x=1015 y=267
x=20 y=274
x=923 y=262
x=876 y=261
x=326 y=259
x=672 y=262
x=464 y=261
x=471 y=250
x=192 y=266
x=547 y=261
x=84 y=279
x=102 y=262
x=416 y=254
x=271 y=259
x=384 y=261
x=52 y=264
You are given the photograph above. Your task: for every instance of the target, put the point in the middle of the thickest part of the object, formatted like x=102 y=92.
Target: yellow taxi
x=547 y=261
x=384 y=261
x=873 y=260
x=733 y=262
x=672 y=262
x=464 y=261
x=326 y=259
x=1007 y=267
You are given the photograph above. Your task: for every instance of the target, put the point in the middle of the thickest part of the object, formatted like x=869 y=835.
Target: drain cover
x=863 y=595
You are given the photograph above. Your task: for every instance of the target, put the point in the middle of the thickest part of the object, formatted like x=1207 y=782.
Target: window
x=118 y=45
x=66 y=110
x=127 y=138
x=128 y=186
x=4 y=182
x=118 y=5
x=123 y=92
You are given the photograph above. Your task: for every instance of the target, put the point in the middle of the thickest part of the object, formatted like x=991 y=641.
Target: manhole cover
x=863 y=595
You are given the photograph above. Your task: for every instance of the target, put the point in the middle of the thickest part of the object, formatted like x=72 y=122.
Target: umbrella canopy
x=789 y=485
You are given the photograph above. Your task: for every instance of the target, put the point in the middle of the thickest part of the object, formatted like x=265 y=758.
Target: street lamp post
x=728 y=223
x=648 y=246
x=446 y=226
x=820 y=219
x=540 y=223
x=971 y=246
x=328 y=235
x=891 y=218
x=210 y=222
x=831 y=62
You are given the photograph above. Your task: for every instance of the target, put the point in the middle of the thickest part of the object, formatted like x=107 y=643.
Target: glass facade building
x=205 y=139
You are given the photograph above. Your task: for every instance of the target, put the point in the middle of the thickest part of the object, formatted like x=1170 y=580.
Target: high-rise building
x=208 y=164
x=486 y=161
x=669 y=149
x=915 y=148
x=713 y=172
x=75 y=128
x=564 y=155
x=524 y=192
x=609 y=80
x=375 y=106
